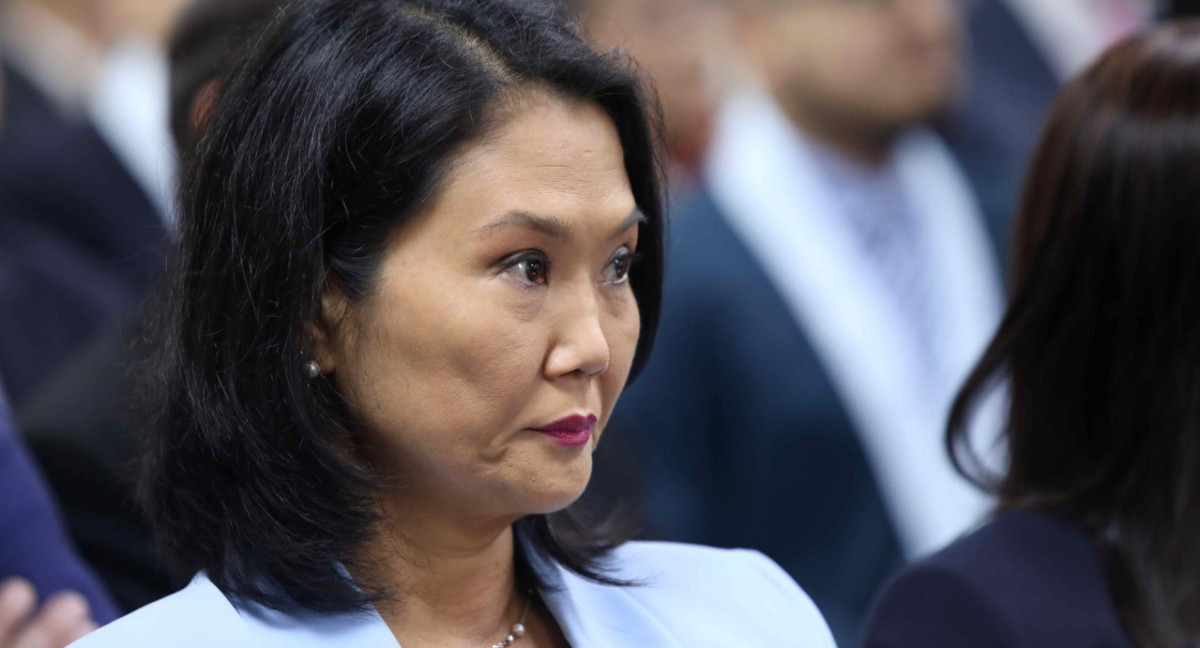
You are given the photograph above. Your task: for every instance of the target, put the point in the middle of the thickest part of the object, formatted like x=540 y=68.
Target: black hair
x=1101 y=339
x=1176 y=9
x=333 y=131
x=208 y=40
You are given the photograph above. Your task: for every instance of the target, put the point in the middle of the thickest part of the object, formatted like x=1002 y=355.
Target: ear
x=203 y=103
x=328 y=332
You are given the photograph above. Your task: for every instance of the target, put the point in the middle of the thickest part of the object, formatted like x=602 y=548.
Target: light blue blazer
x=687 y=596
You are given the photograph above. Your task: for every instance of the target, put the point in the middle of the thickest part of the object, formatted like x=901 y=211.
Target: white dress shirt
x=685 y=597
x=130 y=109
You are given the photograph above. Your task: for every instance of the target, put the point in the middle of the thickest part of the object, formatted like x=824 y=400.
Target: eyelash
x=627 y=257
x=513 y=265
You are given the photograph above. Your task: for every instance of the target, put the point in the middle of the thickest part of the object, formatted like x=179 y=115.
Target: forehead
x=547 y=155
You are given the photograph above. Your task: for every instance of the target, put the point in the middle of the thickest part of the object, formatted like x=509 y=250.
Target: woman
x=421 y=255
x=1095 y=542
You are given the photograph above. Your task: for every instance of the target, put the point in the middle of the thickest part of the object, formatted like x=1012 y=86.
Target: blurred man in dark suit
x=37 y=560
x=77 y=424
x=679 y=44
x=824 y=297
x=80 y=241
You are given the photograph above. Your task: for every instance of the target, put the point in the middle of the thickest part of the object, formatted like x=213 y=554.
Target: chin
x=555 y=490
x=556 y=500
x=937 y=94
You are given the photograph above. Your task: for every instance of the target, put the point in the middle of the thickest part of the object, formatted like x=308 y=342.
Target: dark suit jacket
x=33 y=543
x=1025 y=580
x=80 y=430
x=734 y=435
x=80 y=243
x=993 y=131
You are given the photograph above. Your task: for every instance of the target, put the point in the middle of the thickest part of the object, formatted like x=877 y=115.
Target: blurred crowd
x=843 y=175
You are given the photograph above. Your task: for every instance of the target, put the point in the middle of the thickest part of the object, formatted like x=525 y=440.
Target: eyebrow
x=553 y=225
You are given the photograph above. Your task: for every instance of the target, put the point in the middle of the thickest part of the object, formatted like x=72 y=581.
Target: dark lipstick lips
x=573 y=430
x=574 y=423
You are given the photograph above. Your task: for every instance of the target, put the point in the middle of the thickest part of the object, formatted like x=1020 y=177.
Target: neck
x=455 y=581
x=867 y=144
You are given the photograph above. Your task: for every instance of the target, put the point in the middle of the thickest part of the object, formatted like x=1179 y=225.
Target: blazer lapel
x=362 y=630
x=601 y=616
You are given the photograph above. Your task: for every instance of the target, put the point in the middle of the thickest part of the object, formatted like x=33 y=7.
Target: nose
x=580 y=346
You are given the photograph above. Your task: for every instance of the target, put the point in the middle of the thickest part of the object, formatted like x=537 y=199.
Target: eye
x=617 y=271
x=529 y=268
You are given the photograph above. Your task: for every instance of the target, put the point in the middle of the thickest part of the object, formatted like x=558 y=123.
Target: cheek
x=628 y=330
x=622 y=332
x=492 y=365
x=857 y=73
x=839 y=48
x=441 y=373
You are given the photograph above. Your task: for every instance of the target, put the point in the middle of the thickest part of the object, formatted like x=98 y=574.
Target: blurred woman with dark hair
x=1097 y=538
x=421 y=254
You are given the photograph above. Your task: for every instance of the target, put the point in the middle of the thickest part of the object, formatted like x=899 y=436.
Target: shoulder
x=675 y=565
x=198 y=616
x=741 y=592
x=935 y=606
x=1026 y=578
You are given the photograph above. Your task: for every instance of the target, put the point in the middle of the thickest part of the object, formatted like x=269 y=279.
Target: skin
x=148 y=19
x=466 y=345
x=61 y=620
x=105 y=22
x=679 y=44
x=855 y=72
x=86 y=16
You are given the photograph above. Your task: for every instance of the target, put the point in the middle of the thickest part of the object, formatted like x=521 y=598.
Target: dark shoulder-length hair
x=1101 y=340
x=336 y=128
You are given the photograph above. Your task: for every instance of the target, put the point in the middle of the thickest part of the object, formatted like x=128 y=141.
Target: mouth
x=573 y=430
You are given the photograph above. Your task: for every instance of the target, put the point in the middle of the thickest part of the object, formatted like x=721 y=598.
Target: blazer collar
x=593 y=615
x=590 y=615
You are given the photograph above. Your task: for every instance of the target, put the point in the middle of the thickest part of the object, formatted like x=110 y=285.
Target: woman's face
x=501 y=310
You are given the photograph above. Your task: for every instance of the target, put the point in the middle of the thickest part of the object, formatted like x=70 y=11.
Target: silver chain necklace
x=518 y=629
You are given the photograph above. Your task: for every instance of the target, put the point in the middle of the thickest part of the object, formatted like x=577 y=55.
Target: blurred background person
x=826 y=293
x=85 y=178
x=684 y=46
x=1019 y=53
x=48 y=597
x=1094 y=542
x=76 y=423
